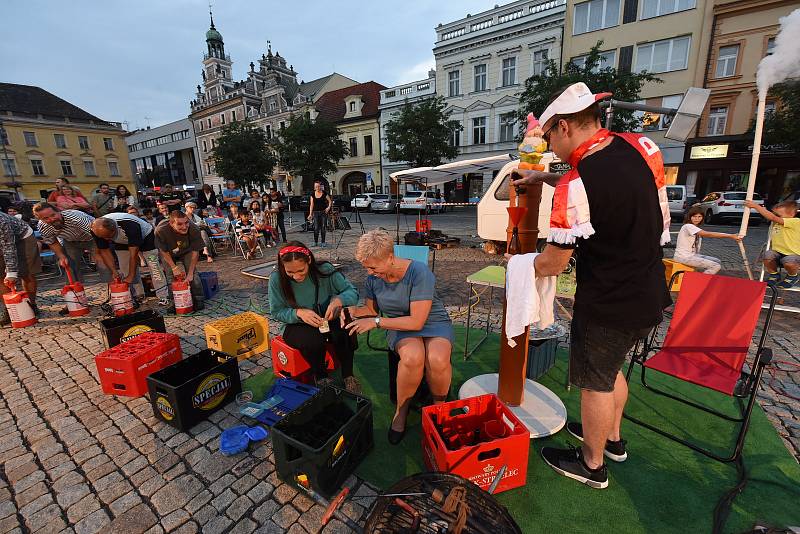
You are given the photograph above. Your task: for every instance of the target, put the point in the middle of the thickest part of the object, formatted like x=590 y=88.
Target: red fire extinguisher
x=75 y=297
x=182 y=295
x=121 y=299
x=19 y=307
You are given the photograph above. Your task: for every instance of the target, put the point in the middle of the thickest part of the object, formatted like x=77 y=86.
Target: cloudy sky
x=140 y=60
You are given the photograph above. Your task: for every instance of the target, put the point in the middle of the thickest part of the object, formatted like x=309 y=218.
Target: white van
x=492 y=214
x=676 y=195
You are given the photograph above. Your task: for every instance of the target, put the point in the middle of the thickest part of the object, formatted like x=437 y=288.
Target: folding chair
x=707 y=343
x=219 y=232
x=416 y=253
x=241 y=244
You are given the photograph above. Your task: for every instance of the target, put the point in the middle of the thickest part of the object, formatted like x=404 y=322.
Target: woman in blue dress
x=417 y=325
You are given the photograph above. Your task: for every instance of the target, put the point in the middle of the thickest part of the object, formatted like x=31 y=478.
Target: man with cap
x=613 y=206
x=129 y=236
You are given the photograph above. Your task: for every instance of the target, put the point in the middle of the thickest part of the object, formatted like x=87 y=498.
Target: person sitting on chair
x=307 y=297
x=418 y=327
x=245 y=231
x=785 y=236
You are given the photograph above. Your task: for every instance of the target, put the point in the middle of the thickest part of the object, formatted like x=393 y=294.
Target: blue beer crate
x=292 y=395
x=210 y=284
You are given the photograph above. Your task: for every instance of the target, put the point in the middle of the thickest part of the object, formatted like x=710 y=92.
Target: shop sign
x=708 y=152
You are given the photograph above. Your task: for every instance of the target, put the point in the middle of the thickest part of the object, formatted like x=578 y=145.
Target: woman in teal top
x=417 y=325
x=307 y=298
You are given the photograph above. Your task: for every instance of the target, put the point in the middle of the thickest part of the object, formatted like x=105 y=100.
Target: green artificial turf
x=662 y=487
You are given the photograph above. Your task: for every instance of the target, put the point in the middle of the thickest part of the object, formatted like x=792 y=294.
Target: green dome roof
x=213 y=35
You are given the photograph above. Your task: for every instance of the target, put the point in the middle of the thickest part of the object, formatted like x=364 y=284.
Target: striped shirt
x=77 y=227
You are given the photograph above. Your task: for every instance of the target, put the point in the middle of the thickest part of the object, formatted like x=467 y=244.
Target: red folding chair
x=707 y=343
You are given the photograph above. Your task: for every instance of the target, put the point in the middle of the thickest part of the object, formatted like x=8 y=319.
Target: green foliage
x=420 y=134
x=783 y=126
x=242 y=154
x=310 y=149
x=625 y=86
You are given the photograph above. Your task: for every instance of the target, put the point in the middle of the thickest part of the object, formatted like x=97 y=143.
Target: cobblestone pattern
x=75 y=460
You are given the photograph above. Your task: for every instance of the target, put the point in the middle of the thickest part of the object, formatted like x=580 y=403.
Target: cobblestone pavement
x=75 y=460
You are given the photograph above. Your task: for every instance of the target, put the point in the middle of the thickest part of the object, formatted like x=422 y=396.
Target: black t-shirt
x=620 y=275
x=164 y=197
x=321 y=203
x=131 y=231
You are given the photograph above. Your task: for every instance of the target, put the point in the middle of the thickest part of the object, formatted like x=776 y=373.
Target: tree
x=243 y=155
x=309 y=148
x=783 y=125
x=626 y=86
x=421 y=134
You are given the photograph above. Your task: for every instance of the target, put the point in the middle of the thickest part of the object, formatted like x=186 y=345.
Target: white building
x=392 y=99
x=165 y=154
x=482 y=62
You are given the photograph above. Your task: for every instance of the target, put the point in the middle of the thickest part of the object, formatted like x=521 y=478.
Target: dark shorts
x=781 y=259
x=29 y=260
x=596 y=353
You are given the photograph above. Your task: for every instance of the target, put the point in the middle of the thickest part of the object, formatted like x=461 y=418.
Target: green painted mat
x=662 y=487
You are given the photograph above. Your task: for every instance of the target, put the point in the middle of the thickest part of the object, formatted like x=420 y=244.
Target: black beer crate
x=319 y=444
x=189 y=391
x=119 y=329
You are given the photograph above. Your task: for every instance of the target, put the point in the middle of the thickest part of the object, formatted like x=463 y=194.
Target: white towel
x=529 y=300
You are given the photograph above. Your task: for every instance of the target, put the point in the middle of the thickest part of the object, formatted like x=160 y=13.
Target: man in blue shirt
x=231 y=195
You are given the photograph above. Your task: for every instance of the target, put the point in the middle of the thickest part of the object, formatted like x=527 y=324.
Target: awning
x=433 y=176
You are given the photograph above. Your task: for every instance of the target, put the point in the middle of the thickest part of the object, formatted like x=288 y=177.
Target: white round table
x=541 y=410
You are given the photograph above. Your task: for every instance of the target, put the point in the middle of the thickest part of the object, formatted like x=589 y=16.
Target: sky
x=139 y=61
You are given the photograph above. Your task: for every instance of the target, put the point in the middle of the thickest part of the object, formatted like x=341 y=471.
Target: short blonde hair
x=374 y=244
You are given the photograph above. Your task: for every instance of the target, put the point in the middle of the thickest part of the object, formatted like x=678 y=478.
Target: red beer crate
x=474 y=438
x=287 y=362
x=124 y=368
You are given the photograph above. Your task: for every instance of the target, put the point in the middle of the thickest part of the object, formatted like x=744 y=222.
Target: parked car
x=691 y=200
x=362 y=201
x=676 y=195
x=384 y=202
x=421 y=200
x=728 y=206
x=342 y=202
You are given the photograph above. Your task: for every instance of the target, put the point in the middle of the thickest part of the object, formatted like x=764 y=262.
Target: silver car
x=384 y=202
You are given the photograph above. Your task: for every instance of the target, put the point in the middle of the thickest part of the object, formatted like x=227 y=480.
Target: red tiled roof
x=331 y=106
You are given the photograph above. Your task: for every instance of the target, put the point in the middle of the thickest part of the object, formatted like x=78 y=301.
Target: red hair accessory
x=302 y=250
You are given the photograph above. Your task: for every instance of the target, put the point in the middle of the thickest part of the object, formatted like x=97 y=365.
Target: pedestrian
x=690 y=239
x=614 y=203
x=232 y=195
x=20 y=260
x=785 y=242
x=130 y=237
x=102 y=201
x=170 y=198
x=277 y=205
x=179 y=242
x=318 y=209
x=123 y=199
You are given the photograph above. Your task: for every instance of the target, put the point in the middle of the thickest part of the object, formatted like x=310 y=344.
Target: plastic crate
x=320 y=444
x=670 y=268
x=119 y=329
x=474 y=438
x=241 y=335
x=423 y=226
x=288 y=362
x=124 y=368
x=210 y=283
x=293 y=394
x=189 y=391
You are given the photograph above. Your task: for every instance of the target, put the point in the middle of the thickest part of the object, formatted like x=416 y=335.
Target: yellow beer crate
x=670 y=268
x=241 y=335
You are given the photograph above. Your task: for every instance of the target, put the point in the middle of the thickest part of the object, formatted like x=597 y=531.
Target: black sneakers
x=569 y=462
x=615 y=450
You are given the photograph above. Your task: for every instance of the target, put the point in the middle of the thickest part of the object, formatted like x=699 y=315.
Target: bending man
x=179 y=242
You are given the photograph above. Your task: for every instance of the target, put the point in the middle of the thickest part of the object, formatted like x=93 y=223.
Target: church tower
x=217 y=66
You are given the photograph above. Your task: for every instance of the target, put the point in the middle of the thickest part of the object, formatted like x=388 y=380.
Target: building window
x=595 y=15
x=352 y=106
x=479 y=131
x=663 y=56
x=507 y=123
x=66 y=167
x=726 y=61
x=717 y=119
x=202 y=127
x=769 y=108
x=209 y=122
x=480 y=77
x=88 y=168
x=390 y=94
x=282 y=125
x=353 y=147
x=455 y=138
x=509 y=71
x=672 y=102
x=233 y=115
x=272 y=105
x=4 y=137
x=607 y=60
x=540 y=58
x=656 y=8
x=770 y=46
x=454 y=83
x=161 y=160
x=30 y=138
x=406 y=90
x=205 y=146
x=268 y=128
x=38 y=167
x=423 y=86
x=222 y=118
x=61 y=141
x=9 y=167
x=367 y=145
x=83 y=141
x=213 y=144
x=108 y=143
x=113 y=168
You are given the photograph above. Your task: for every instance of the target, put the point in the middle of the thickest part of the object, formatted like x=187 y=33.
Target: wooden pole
x=751 y=179
x=513 y=360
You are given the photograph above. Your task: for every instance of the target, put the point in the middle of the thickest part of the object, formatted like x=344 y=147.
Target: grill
x=485 y=515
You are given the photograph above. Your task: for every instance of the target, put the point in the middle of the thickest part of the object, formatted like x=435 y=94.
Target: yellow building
x=740 y=34
x=662 y=37
x=43 y=137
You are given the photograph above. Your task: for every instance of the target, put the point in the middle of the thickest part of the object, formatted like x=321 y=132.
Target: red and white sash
x=571 y=219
